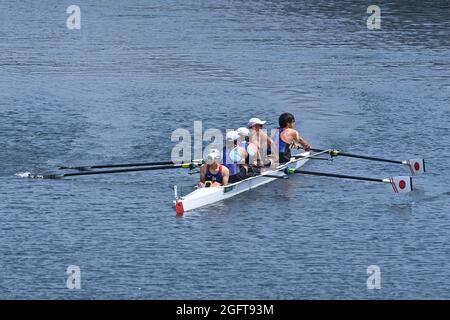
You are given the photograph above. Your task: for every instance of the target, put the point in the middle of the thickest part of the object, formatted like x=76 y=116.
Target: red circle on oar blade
x=402 y=184
x=417 y=166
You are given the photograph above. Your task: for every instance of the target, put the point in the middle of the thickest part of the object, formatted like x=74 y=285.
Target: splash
x=23 y=174
x=28 y=175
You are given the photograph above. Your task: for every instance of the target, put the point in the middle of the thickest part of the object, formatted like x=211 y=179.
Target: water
x=116 y=89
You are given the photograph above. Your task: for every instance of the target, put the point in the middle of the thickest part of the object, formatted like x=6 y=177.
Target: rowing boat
x=202 y=197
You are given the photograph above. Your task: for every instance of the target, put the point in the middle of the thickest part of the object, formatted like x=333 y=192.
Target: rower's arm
x=225 y=175
x=269 y=140
x=202 y=173
x=244 y=155
x=298 y=139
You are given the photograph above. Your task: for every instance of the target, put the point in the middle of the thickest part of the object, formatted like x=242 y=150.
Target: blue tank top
x=232 y=166
x=218 y=177
x=282 y=146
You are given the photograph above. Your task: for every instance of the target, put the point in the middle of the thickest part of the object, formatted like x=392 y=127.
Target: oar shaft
x=334 y=175
x=124 y=165
x=314 y=158
x=369 y=158
x=59 y=176
x=350 y=155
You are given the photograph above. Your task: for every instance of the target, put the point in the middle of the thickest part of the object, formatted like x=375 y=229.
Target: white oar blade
x=400 y=184
x=417 y=166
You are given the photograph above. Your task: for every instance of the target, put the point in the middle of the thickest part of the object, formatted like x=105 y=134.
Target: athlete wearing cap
x=212 y=173
x=234 y=156
x=255 y=121
x=243 y=133
x=245 y=143
x=259 y=138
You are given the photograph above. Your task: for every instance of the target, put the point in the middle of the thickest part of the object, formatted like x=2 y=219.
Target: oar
x=312 y=158
x=274 y=176
x=416 y=166
x=400 y=184
x=123 y=165
x=161 y=167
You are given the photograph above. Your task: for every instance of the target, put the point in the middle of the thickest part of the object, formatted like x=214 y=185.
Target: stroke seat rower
x=286 y=137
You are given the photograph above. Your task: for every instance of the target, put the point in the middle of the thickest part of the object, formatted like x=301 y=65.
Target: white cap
x=232 y=135
x=212 y=155
x=254 y=121
x=243 y=132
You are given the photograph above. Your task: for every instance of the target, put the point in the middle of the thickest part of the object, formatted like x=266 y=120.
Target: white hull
x=207 y=196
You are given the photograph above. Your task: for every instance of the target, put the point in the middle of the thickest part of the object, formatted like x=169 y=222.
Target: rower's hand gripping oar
x=189 y=165
x=416 y=166
x=399 y=184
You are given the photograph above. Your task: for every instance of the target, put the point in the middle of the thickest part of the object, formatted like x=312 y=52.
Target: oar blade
x=400 y=184
x=416 y=166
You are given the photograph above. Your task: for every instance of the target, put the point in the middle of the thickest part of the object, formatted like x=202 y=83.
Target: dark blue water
x=115 y=90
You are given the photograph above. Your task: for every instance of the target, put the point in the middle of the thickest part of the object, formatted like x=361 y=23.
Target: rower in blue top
x=234 y=156
x=244 y=138
x=286 y=137
x=212 y=173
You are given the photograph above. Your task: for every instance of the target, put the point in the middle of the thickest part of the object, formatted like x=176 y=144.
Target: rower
x=259 y=138
x=212 y=173
x=250 y=148
x=234 y=156
x=286 y=137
